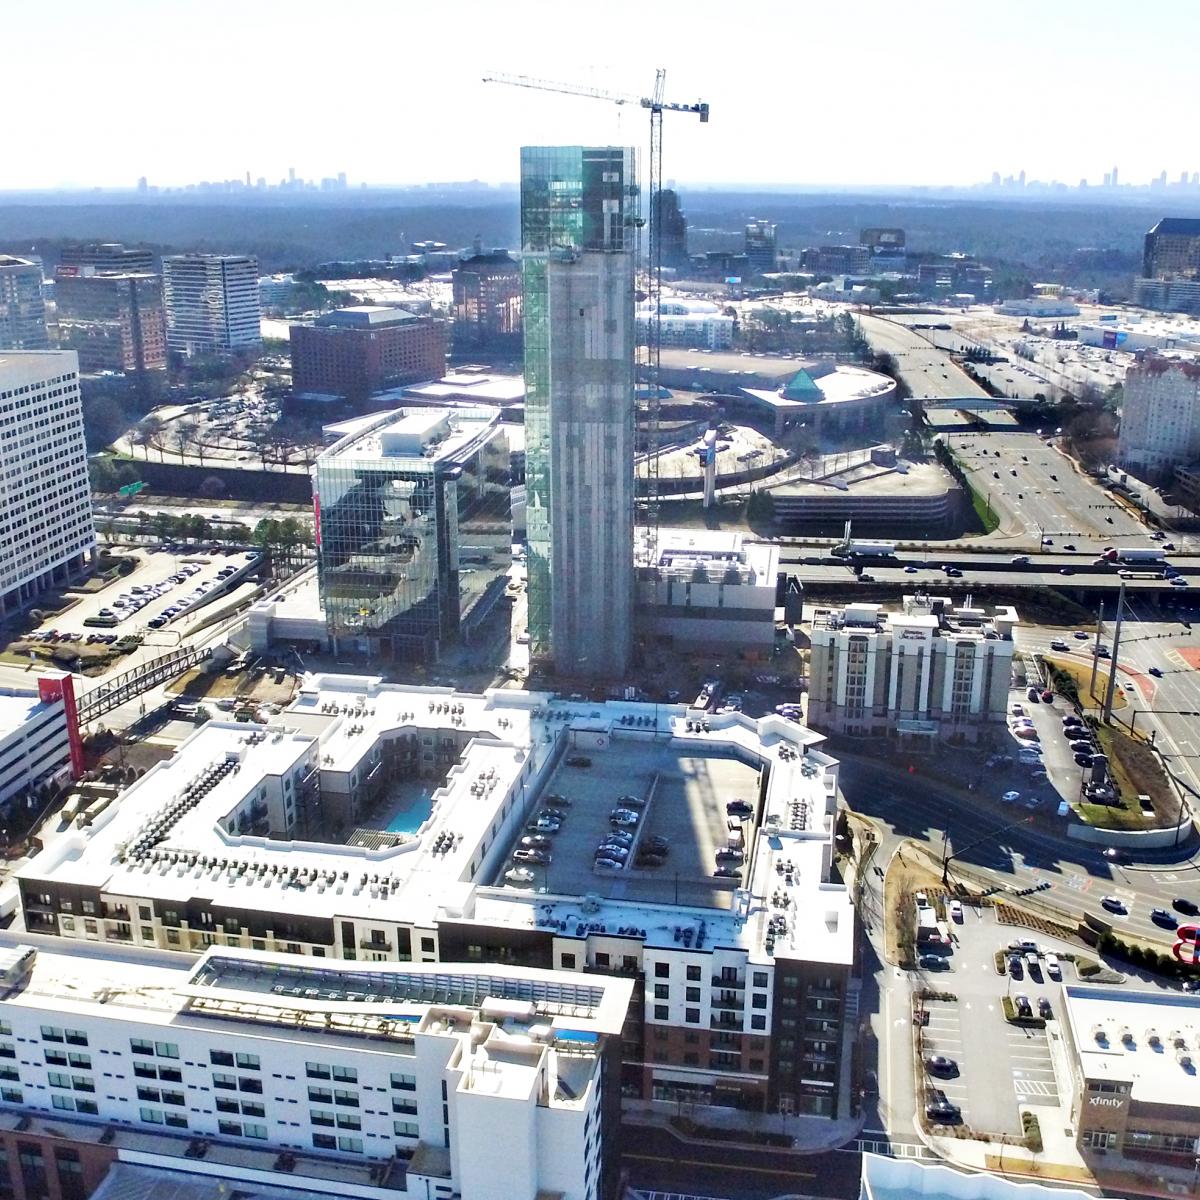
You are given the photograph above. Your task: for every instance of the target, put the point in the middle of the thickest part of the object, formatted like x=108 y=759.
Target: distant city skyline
x=839 y=95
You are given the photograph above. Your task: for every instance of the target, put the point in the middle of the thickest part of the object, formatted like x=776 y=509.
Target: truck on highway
x=1132 y=554
x=860 y=548
x=1125 y=573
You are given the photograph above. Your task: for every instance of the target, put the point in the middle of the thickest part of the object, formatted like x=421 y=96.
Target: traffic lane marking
x=723 y=1166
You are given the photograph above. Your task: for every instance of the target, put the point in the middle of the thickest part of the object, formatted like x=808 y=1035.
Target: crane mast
x=652 y=363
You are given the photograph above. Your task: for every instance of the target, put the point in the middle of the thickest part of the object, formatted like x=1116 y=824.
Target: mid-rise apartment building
x=376 y=823
x=1160 y=416
x=925 y=671
x=579 y=213
x=393 y=1077
x=22 y=306
x=113 y=322
x=413 y=529
x=760 y=247
x=211 y=303
x=354 y=352
x=487 y=303
x=695 y=324
x=46 y=526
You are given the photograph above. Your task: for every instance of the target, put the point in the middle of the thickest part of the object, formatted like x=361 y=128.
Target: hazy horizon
x=859 y=95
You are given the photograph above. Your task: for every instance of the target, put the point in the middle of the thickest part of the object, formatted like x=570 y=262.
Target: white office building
x=925 y=671
x=422 y=1072
x=46 y=527
x=39 y=735
x=22 y=307
x=1160 y=418
x=212 y=303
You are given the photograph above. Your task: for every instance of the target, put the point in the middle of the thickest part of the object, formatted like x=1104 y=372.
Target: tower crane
x=656 y=106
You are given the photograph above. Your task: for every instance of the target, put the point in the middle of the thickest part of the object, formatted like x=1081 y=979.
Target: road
x=928 y=371
x=656 y=1160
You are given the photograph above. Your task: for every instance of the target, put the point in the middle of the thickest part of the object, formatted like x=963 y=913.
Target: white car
x=956 y=910
x=1010 y=797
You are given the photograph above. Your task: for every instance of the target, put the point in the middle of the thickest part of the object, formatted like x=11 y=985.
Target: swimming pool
x=410 y=819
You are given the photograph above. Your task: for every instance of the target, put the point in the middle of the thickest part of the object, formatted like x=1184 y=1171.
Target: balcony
x=719 y=981
x=734 y=1003
x=725 y=1021
x=382 y=947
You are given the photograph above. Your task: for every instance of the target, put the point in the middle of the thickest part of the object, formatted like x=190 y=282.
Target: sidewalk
x=810 y=1135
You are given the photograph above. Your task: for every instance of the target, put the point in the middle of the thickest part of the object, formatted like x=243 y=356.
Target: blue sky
x=802 y=92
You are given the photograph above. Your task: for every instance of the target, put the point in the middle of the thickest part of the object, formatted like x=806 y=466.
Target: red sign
x=1187 y=945
x=62 y=687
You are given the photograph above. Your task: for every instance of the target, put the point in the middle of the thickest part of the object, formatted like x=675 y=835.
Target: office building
x=354 y=352
x=413 y=529
x=760 y=247
x=672 y=231
x=39 y=736
x=1172 y=249
x=212 y=304
x=1160 y=416
x=487 y=303
x=836 y=260
x=276 y=291
x=1135 y=1090
x=886 y=248
x=578 y=211
x=374 y=823
x=694 y=324
x=105 y=258
x=22 y=307
x=46 y=529
x=707 y=589
x=927 y=671
x=1168 y=295
x=113 y=322
x=363 y=1080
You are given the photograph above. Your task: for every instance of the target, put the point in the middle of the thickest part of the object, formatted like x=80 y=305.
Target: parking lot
x=685 y=798
x=1000 y=1066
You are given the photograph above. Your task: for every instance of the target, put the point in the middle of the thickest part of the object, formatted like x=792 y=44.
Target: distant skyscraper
x=995 y=179
x=673 y=230
x=578 y=207
x=1021 y=178
x=1114 y=177
x=22 y=308
x=211 y=302
x=760 y=246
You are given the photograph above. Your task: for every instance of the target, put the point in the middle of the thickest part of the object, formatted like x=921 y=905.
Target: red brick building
x=354 y=352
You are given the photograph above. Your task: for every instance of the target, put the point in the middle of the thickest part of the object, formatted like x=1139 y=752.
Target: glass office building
x=413 y=529
x=579 y=212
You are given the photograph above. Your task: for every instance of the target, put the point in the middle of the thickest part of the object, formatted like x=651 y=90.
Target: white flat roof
x=17 y=708
x=338 y=720
x=1150 y=1040
x=836 y=387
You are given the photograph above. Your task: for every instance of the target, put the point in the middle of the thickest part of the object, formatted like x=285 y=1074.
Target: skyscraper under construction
x=579 y=210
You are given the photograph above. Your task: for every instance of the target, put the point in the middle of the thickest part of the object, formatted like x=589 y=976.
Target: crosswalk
x=883 y=1145
x=1034 y=1087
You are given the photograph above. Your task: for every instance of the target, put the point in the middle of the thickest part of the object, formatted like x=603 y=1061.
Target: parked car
x=578 y=760
x=1023 y=1006
x=944 y=1114
x=1010 y=797
x=531 y=856
x=956 y=910
x=536 y=841
x=939 y=1064
x=933 y=962
x=1016 y=966
x=739 y=808
x=1044 y=1009
x=1053 y=966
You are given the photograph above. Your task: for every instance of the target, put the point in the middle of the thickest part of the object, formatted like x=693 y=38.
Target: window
x=404 y=1083
x=758 y=1000
x=162 y=1049
x=758 y=1022
x=222 y=1080
x=349 y=1099
x=320 y=1095
x=760 y=979
x=662 y=1012
x=693 y=974
x=602 y=958
x=351 y=1145
x=322 y=1116
x=404 y=1106
x=692 y=995
x=252 y=1129
x=137 y=1045
x=568 y=962
x=317 y=1070
x=220 y=1058
x=51 y=1034
x=662 y=970
x=345 y=1075
x=405 y=1128
x=248 y=1083
x=230 y=1128
x=691 y=1015
x=346 y=1121
x=662 y=991
x=324 y=1141
x=427 y=945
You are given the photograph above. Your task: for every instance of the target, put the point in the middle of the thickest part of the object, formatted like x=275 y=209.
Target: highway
x=928 y=371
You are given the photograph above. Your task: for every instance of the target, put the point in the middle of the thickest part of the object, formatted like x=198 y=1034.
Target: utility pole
x=1096 y=650
x=947 y=859
x=1116 y=647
